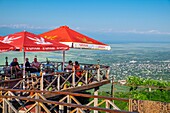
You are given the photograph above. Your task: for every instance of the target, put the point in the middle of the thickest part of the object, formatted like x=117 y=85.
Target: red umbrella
x=31 y=42
x=6 y=47
x=74 y=39
x=27 y=41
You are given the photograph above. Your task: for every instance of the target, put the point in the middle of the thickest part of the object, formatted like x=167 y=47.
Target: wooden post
x=68 y=101
x=107 y=73
x=107 y=105
x=96 y=91
x=73 y=78
x=58 y=82
x=112 y=88
x=42 y=82
x=98 y=73
x=37 y=108
x=9 y=108
x=42 y=78
x=61 y=109
x=4 y=106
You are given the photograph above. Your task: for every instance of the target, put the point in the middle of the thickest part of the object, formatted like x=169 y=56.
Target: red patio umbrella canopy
x=74 y=39
x=31 y=42
x=6 y=47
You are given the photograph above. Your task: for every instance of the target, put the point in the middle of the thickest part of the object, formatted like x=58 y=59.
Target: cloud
x=150 y=32
x=103 y=30
x=24 y=26
x=134 y=31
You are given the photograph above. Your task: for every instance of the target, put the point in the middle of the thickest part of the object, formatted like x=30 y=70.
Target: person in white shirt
x=69 y=67
x=35 y=64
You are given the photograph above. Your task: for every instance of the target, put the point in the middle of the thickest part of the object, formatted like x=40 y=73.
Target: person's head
x=15 y=60
x=76 y=63
x=35 y=59
x=26 y=59
x=70 y=62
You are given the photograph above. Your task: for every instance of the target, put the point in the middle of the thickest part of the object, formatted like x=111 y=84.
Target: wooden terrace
x=56 y=92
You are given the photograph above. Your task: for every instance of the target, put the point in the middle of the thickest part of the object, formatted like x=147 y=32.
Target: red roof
x=31 y=42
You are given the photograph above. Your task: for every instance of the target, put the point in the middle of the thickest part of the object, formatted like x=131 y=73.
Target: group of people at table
x=32 y=67
x=72 y=67
x=35 y=66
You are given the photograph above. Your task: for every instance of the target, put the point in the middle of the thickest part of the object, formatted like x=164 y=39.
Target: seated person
x=35 y=64
x=15 y=65
x=69 y=66
x=77 y=67
x=28 y=67
x=27 y=63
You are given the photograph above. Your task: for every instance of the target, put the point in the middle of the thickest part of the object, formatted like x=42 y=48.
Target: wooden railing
x=34 y=101
x=15 y=100
x=59 y=80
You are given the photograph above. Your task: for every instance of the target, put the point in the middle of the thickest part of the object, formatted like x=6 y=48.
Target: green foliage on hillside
x=138 y=81
x=155 y=95
x=160 y=91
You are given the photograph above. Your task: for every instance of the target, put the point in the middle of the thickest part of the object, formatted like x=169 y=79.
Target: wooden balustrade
x=10 y=97
x=58 y=80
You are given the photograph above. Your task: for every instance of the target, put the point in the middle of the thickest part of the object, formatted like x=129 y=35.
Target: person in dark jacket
x=27 y=63
x=15 y=64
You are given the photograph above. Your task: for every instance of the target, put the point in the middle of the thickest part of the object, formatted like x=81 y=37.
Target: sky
x=105 y=20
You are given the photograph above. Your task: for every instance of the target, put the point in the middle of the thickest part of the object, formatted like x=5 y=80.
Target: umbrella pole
x=63 y=59
x=24 y=70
